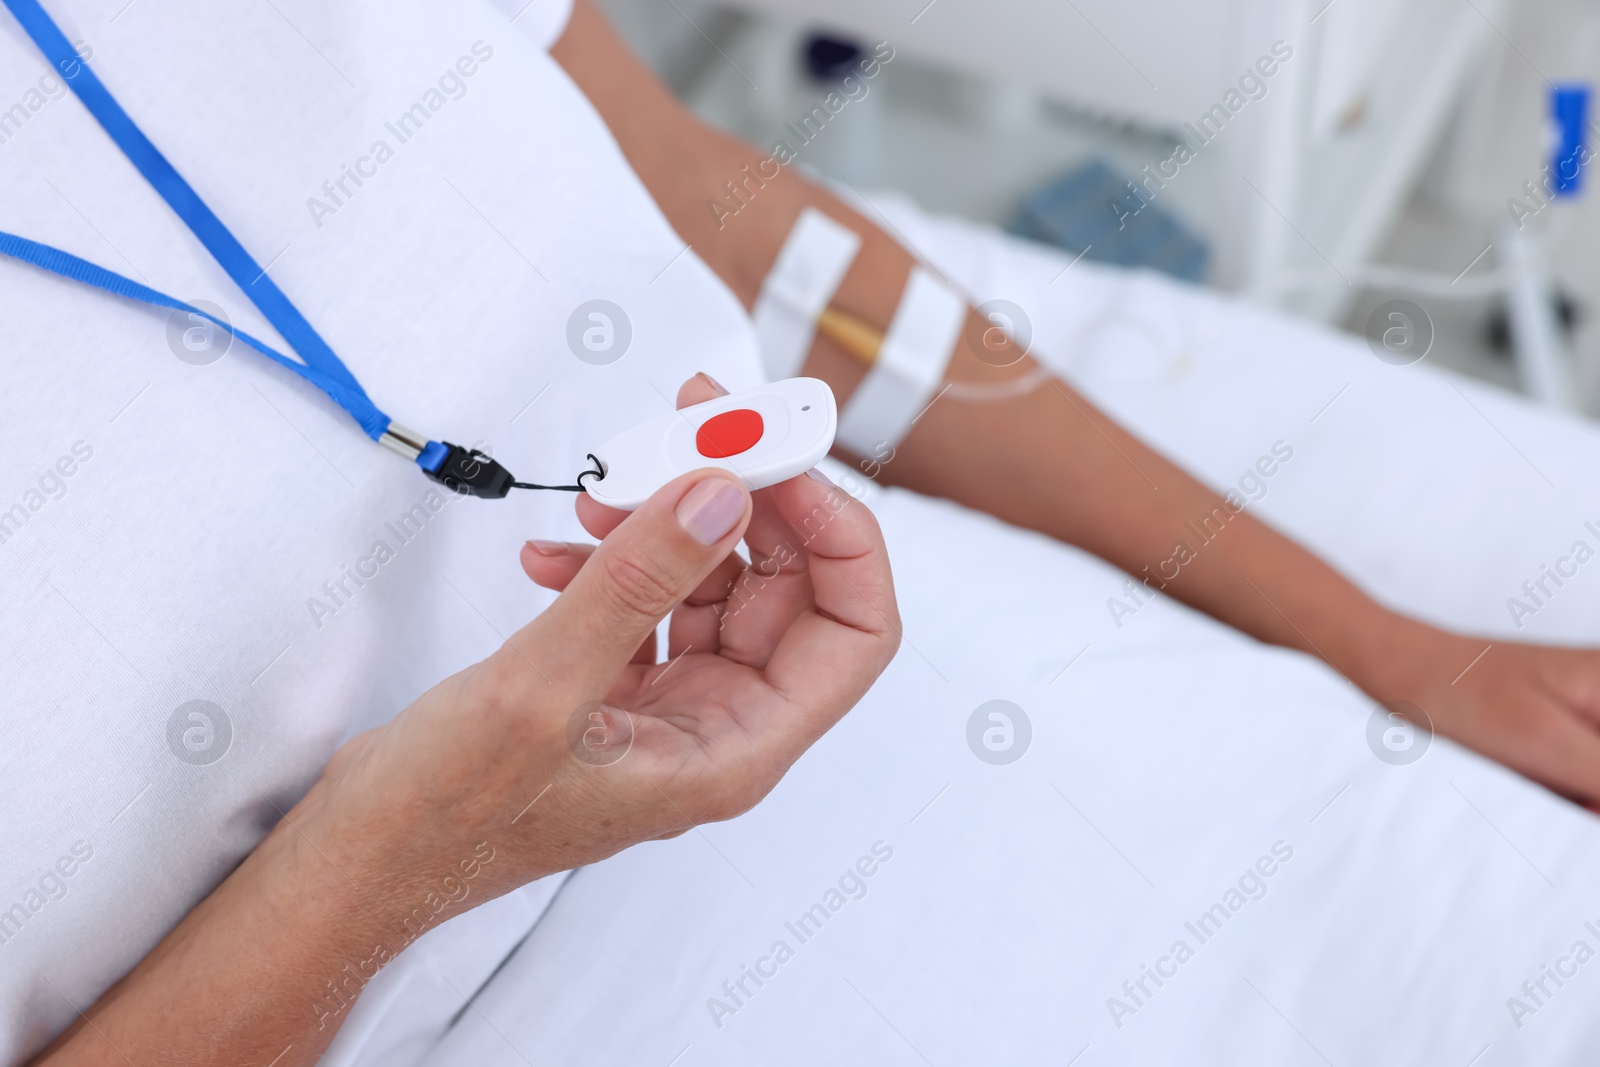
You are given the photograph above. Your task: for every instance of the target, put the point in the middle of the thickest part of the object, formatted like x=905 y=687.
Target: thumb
x=639 y=573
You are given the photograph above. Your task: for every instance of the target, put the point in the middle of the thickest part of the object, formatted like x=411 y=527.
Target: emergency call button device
x=764 y=436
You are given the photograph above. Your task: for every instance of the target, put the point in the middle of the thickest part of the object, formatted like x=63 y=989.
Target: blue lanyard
x=463 y=470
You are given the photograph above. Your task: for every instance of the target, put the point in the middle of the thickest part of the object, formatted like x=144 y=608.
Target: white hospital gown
x=174 y=530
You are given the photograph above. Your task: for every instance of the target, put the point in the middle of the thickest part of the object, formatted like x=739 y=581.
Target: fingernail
x=549 y=548
x=712 y=508
x=816 y=472
x=718 y=386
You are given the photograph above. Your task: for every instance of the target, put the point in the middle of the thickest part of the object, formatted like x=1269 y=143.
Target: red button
x=729 y=433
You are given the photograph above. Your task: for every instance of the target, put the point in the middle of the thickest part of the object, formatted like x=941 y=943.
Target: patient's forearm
x=1049 y=460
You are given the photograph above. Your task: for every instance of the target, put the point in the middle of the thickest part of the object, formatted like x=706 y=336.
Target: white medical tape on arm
x=909 y=367
x=808 y=271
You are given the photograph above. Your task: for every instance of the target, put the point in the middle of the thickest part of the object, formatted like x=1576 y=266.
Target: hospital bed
x=1296 y=196
x=1299 y=193
x=1405 y=907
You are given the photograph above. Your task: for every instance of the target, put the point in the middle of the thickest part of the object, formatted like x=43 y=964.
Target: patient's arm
x=1531 y=708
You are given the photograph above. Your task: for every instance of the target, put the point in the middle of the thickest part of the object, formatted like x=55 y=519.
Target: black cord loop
x=599 y=471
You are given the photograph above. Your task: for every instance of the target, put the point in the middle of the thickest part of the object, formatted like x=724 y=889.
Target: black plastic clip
x=472 y=473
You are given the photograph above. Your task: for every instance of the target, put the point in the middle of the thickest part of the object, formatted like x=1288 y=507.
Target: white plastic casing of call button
x=798 y=418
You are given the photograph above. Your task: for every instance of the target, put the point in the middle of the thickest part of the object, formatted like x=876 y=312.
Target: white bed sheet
x=1167 y=758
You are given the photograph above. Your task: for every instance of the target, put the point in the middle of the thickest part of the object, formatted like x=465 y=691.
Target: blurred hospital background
x=1336 y=159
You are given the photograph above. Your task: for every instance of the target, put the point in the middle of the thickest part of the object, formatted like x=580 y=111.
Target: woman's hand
x=572 y=742
x=1534 y=709
x=566 y=745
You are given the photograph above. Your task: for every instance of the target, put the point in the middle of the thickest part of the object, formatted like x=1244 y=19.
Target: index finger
x=833 y=653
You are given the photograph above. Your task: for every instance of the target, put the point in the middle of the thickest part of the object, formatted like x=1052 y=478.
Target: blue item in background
x=1569 y=110
x=830 y=59
x=1096 y=209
